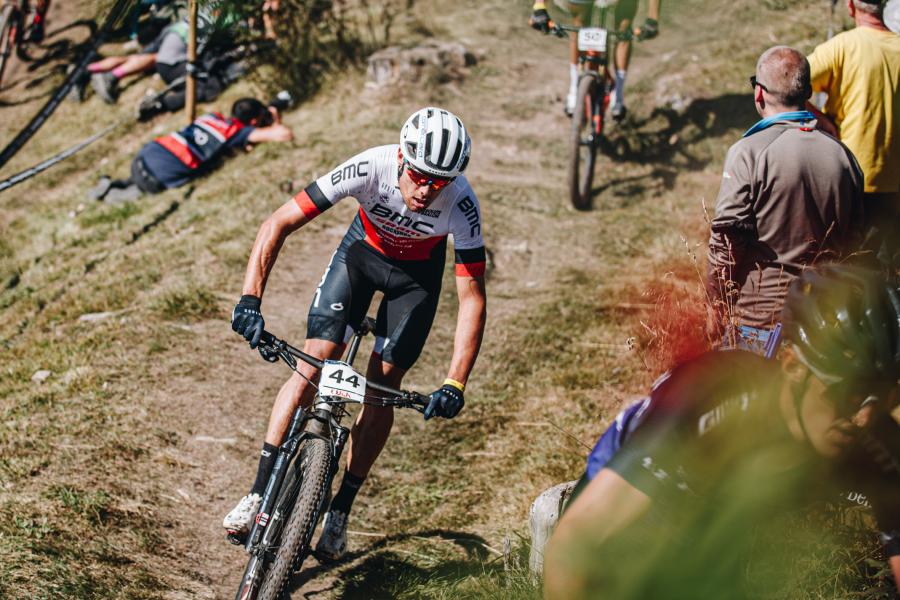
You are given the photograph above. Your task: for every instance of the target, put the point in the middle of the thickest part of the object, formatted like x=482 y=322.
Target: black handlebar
x=560 y=30
x=271 y=348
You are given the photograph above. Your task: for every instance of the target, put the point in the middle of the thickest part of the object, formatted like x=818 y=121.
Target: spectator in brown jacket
x=791 y=195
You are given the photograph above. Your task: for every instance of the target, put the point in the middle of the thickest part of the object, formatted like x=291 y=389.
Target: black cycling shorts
x=411 y=293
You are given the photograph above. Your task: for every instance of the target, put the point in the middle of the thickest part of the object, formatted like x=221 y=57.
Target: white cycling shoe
x=241 y=517
x=333 y=542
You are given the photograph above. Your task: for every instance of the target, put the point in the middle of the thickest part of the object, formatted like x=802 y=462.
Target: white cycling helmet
x=434 y=141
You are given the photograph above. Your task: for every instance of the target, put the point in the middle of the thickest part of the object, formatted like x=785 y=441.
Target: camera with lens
x=282 y=100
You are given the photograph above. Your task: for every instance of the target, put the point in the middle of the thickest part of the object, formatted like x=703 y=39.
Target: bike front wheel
x=301 y=516
x=587 y=122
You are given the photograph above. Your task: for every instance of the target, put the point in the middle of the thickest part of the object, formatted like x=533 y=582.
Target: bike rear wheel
x=8 y=24
x=314 y=474
x=586 y=127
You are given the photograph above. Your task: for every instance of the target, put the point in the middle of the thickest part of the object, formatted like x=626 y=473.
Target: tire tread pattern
x=315 y=473
x=581 y=166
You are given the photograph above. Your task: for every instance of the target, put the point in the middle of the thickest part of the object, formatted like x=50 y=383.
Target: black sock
x=266 y=462
x=343 y=501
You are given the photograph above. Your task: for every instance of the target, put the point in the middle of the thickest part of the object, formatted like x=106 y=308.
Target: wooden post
x=190 y=102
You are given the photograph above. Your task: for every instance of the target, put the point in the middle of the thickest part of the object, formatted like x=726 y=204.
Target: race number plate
x=341 y=381
x=592 y=39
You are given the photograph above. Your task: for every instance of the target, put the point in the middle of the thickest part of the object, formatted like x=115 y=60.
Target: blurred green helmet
x=844 y=324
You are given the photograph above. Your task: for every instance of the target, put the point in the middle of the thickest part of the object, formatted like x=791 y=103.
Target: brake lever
x=268 y=353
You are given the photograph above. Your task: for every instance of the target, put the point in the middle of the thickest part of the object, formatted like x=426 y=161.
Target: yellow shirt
x=860 y=71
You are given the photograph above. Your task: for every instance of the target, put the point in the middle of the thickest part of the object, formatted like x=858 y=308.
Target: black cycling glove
x=647 y=31
x=445 y=402
x=540 y=20
x=247 y=320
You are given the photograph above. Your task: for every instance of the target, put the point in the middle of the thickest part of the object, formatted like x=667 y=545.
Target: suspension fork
x=286 y=453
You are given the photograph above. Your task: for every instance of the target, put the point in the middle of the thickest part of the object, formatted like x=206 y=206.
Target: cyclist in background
x=687 y=483
x=411 y=197
x=37 y=32
x=625 y=12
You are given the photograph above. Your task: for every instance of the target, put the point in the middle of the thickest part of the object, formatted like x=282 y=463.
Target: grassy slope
x=115 y=471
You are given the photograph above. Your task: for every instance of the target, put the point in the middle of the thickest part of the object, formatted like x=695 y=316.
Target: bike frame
x=596 y=64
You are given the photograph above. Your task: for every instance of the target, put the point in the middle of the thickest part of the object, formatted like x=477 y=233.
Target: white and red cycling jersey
x=390 y=226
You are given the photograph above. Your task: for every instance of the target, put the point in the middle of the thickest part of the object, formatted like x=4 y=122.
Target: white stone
x=41 y=376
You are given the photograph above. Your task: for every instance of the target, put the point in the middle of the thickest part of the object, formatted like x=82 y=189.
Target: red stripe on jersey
x=181 y=151
x=307 y=205
x=470 y=269
x=398 y=247
x=222 y=125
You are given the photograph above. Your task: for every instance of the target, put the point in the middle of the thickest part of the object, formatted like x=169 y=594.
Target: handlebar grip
x=266 y=338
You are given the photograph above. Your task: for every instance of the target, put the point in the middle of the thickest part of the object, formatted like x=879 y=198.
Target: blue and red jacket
x=176 y=158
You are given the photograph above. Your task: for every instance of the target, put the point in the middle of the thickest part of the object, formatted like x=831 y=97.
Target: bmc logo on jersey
x=360 y=169
x=467 y=206
x=394 y=217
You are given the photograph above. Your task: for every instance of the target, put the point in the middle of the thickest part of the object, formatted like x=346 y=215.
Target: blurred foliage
x=314 y=37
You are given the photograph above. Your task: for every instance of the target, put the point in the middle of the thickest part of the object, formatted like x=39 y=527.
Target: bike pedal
x=236 y=538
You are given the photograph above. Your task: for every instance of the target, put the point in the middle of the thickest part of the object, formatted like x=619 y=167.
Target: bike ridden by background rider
x=790 y=196
x=858 y=70
x=38 y=24
x=625 y=12
x=411 y=197
x=694 y=493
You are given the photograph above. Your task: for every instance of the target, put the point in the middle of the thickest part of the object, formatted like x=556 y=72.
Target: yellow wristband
x=457 y=384
x=539 y=6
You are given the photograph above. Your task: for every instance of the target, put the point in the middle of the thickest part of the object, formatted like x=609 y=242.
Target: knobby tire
x=7 y=36
x=584 y=144
x=297 y=532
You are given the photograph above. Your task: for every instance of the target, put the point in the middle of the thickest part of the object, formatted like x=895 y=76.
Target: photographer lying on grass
x=173 y=160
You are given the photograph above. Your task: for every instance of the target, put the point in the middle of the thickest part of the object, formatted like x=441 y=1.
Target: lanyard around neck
x=794 y=115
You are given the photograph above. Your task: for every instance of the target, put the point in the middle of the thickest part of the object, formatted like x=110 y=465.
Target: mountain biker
x=411 y=197
x=858 y=70
x=790 y=196
x=625 y=12
x=36 y=34
x=683 y=486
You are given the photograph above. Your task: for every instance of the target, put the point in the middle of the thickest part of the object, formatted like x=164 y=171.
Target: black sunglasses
x=754 y=83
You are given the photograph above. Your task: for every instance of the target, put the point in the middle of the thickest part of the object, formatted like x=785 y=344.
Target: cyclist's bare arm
x=269 y=239
x=606 y=506
x=469 y=326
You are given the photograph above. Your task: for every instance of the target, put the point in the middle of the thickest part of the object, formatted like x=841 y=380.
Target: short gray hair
x=873 y=8
x=784 y=72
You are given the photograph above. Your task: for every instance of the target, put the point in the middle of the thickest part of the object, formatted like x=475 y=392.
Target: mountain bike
x=596 y=44
x=299 y=487
x=13 y=19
